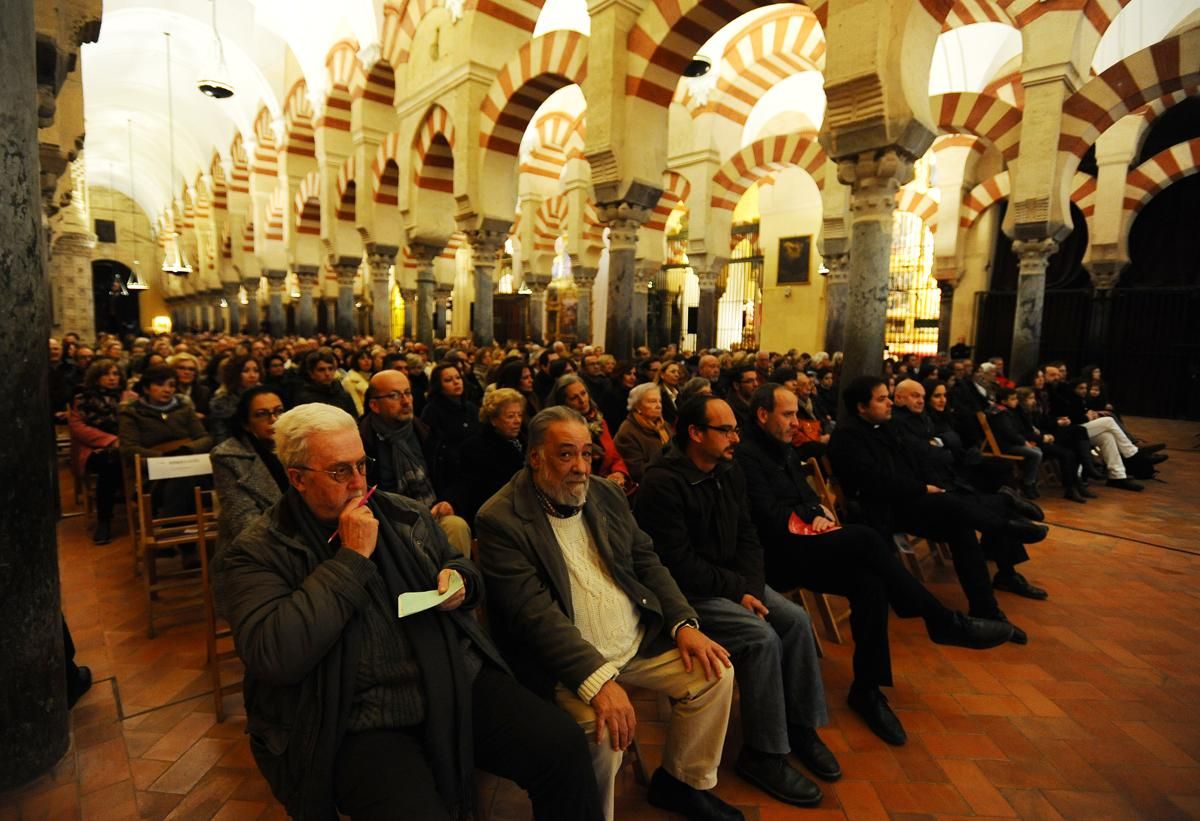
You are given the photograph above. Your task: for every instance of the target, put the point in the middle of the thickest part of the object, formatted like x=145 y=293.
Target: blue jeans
x=776 y=664
x=1033 y=461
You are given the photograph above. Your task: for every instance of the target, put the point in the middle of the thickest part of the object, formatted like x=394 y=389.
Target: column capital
x=1104 y=275
x=307 y=275
x=486 y=242
x=837 y=268
x=1033 y=255
x=275 y=275
x=584 y=276
x=623 y=220
x=380 y=258
x=347 y=270
x=443 y=290
x=230 y=289
x=874 y=178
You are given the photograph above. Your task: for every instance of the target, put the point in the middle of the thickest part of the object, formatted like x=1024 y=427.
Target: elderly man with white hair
x=643 y=435
x=349 y=707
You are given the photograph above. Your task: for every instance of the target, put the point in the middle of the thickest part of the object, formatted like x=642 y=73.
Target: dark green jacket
x=529 y=601
x=297 y=629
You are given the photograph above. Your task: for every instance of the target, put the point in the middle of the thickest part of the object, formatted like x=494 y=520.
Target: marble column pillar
x=308 y=278
x=380 y=259
x=706 y=314
x=425 y=254
x=1033 y=255
x=641 y=301
x=874 y=178
x=1104 y=281
x=250 y=320
x=409 y=295
x=33 y=684
x=215 y=296
x=623 y=220
x=276 y=283
x=585 y=278
x=837 y=288
x=537 y=311
x=945 y=315
x=71 y=280
x=485 y=248
x=441 y=303
x=230 y=291
x=347 y=276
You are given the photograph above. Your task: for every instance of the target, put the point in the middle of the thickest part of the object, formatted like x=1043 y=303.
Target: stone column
x=837 y=287
x=276 y=282
x=873 y=178
x=230 y=291
x=1034 y=254
x=425 y=254
x=623 y=219
x=584 y=279
x=380 y=259
x=215 y=295
x=250 y=321
x=441 y=302
x=33 y=685
x=71 y=279
x=706 y=314
x=347 y=274
x=485 y=246
x=308 y=277
x=641 y=300
x=1104 y=282
x=409 y=295
x=945 y=315
x=537 y=309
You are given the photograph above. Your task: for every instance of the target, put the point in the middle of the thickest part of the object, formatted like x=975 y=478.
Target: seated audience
x=451 y=419
x=696 y=386
x=670 y=380
x=400 y=448
x=187 y=382
x=239 y=375
x=1028 y=417
x=693 y=505
x=319 y=383
x=96 y=445
x=851 y=560
x=494 y=454
x=825 y=401
x=358 y=377
x=352 y=710
x=741 y=388
x=1014 y=437
x=643 y=434
x=583 y=609
x=247 y=473
x=889 y=488
x=810 y=438
x=518 y=376
x=572 y=392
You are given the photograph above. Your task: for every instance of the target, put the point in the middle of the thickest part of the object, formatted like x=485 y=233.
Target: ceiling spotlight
x=698 y=67
x=217 y=89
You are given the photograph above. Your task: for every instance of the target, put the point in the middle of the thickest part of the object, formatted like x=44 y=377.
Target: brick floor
x=1095 y=718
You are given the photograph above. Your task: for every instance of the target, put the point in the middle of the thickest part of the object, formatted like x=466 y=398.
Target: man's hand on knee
x=614 y=714
x=713 y=658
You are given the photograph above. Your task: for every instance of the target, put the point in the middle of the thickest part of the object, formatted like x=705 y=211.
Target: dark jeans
x=385 y=774
x=106 y=464
x=855 y=562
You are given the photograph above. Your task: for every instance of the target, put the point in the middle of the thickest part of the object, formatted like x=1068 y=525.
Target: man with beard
x=582 y=607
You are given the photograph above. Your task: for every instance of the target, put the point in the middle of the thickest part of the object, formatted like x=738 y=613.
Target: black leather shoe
x=872 y=707
x=1092 y=472
x=1016 y=583
x=1018 y=635
x=1149 y=449
x=77 y=685
x=964 y=631
x=1030 y=491
x=1022 y=506
x=1086 y=492
x=669 y=793
x=1155 y=458
x=1124 y=484
x=103 y=533
x=773 y=775
x=1027 y=532
x=812 y=752
x=1074 y=493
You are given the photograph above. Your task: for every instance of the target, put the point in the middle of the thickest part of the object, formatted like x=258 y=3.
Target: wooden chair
x=218 y=636
x=179 y=590
x=990 y=449
x=820 y=602
x=132 y=515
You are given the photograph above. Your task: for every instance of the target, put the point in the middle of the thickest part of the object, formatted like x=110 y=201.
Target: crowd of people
x=634 y=524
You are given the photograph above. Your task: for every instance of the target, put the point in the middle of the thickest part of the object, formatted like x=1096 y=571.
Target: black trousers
x=857 y=563
x=385 y=774
x=106 y=464
x=1068 y=461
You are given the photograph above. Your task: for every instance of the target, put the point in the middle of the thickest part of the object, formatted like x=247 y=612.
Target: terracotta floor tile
x=992 y=705
x=58 y=803
x=1166 y=752
x=234 y=810
x=860 y=801
x=947 y=745
x=179 y=739
x=970 y=781
x=1074 y=804
x=921 y=798
x=157 y=805
x=875 y=766
x=115 y=802
x=206 y=800
x=1031 y=805
x=146 y=770
x=102 y=765
x=185 y=773
x=1022 y=775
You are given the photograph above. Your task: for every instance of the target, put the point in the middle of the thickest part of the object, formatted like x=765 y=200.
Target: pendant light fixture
x=173 y=261
x=216 y=84
x=136 y=283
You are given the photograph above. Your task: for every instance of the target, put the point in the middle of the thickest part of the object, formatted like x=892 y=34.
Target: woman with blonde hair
x=493 y=454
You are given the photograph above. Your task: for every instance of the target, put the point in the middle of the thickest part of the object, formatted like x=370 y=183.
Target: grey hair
x=293 y=428
x=639 y=393
x=558 y=395
x=540 y=424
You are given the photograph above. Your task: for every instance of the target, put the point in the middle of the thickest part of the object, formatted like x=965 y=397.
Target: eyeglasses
x=727 y=430
x=394 y=395
x=343 y=472
x=265 y=413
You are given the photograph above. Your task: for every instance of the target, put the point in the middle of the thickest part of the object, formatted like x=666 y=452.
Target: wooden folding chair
x=821 y=604
x=218 y=636
x=990 y=449
x=175 y=590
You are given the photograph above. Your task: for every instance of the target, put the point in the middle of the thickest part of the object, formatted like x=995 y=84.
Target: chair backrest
x=159 y=529
x=823 y=488
x=990 y=446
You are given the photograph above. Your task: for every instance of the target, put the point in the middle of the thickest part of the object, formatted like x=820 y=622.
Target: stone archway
x=117 y=308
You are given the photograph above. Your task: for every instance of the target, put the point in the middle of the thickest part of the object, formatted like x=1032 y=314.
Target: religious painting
x=793 y=260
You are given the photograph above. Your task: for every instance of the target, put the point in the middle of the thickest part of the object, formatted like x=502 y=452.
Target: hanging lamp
x=216 y=85
x=173 y=261
x=136 y=283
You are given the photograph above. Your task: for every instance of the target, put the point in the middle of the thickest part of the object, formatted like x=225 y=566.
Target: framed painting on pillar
x=794 y=255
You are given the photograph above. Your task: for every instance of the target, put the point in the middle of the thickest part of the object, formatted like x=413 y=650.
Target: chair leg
x=639 y=764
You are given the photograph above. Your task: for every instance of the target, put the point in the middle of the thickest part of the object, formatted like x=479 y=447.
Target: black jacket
x=916 y=432
x=876 y=471
x=489 y=461
x=305 y=391
x=451 y=423
x=1011 y=429
x=701 y=527
x=776 y=485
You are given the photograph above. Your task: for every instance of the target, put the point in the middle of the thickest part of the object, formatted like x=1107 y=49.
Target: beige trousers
x=458 y=533
x=695 y=737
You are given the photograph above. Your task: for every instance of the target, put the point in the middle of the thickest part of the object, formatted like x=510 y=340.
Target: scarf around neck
x=658 y=428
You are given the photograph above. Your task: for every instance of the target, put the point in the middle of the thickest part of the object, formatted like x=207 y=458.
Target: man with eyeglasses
x=401 y=446
x=350 y=708
x=583 y=609
x=693 y=504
